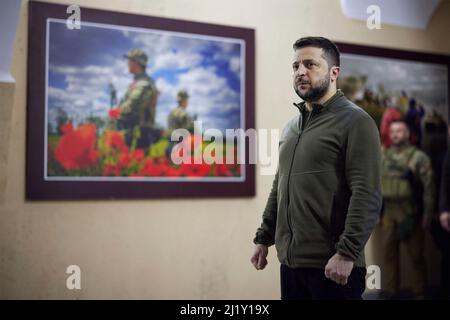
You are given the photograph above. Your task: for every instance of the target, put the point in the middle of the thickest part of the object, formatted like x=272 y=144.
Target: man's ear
x=334 y=73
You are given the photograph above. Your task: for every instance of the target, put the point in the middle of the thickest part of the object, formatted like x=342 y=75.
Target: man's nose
x=301 y=71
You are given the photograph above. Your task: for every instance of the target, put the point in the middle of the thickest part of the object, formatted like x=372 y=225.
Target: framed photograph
x=391 y=84
x=131 y=106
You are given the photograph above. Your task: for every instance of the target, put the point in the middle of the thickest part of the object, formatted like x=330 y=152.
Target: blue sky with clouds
x=83 y=62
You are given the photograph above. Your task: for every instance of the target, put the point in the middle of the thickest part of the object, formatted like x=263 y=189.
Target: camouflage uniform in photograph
x=138 y=106
x=179 y=117
x=408 y=193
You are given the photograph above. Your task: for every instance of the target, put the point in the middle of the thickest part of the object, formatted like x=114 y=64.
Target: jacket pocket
x=333 y=219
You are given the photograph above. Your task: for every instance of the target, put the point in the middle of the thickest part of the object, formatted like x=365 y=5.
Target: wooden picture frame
x=68 y=116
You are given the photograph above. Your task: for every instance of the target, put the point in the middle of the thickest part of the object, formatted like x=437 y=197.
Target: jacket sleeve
x=363 y=174
x=265 y=234
x=444 y=197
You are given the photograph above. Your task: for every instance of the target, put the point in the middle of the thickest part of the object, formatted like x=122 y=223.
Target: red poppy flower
x=108 y=170
x=118 y=169
x=114 y=113
x=66 y=127
x=135 y=175
x=221 y=169
x=115 y=139
x=173 y=172
x=125 y=158
x=76 y=149
x=195 y=170
x=138 y=155
x=150 y=169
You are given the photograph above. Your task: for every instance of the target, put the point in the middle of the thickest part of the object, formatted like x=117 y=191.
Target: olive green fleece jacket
x=326 y=194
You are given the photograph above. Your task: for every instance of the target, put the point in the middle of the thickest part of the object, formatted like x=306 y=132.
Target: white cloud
x=225 y=50
x=86 y=90
x=202 y=81
x=176 y=60
x=235 y=65
x=211 y=98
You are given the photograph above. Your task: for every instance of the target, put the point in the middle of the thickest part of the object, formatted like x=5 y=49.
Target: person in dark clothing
x=326 y=195
x=444 y=220
x=435 y=145
x=413 y=119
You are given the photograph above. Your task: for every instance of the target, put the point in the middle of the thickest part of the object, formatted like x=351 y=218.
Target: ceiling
x=406 y=13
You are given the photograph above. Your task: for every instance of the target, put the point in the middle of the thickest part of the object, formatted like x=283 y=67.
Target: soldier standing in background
x=179 y=117
x=138 y=107
x=408 y=192
x=391 y=114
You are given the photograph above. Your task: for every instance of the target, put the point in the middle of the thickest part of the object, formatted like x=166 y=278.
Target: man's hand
x=338 y=269
x=444 y=219
x=259 y=256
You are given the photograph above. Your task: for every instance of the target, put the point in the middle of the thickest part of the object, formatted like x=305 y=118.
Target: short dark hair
x=330 y=49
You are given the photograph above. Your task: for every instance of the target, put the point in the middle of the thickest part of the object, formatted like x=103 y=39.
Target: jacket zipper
x=289 y=179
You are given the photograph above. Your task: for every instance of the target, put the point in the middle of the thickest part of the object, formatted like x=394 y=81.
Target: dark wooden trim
x=39 y=189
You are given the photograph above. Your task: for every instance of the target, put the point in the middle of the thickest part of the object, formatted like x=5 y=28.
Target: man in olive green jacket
x=326 y=195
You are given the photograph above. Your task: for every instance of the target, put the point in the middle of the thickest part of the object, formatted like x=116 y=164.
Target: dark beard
x=316 y=92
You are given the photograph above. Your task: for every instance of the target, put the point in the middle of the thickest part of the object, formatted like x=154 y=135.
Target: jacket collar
x=320 y=107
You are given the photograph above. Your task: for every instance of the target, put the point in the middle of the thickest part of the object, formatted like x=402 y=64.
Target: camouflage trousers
x=402 y=235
